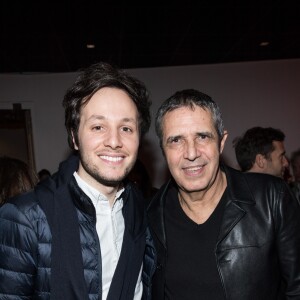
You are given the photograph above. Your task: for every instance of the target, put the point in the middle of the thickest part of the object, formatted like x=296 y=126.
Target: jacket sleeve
x=18 y=243
x=288 y=241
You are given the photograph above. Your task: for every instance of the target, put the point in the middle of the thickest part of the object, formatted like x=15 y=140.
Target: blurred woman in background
x=16 y=177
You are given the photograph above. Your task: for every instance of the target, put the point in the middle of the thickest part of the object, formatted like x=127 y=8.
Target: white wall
x=255 y=93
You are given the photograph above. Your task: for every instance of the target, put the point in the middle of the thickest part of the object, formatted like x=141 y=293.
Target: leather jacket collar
x=238 y=193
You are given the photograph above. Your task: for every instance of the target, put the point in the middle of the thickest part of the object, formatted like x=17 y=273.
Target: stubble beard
x=95 y=173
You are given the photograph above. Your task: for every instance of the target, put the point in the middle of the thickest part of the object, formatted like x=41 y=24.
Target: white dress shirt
x=110 y=229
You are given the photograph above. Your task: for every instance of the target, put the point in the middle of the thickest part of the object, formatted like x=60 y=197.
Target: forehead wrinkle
x=96 y=117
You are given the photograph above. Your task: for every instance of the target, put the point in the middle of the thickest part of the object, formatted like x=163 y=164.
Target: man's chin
x=106 y=176
x=112 y=182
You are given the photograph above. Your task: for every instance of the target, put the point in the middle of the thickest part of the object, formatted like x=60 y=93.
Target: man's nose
x=191 y=150
x=113 y=139
x=285 y=162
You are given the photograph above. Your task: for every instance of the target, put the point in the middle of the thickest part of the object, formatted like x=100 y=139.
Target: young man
x=219 y=233
x=81 y=234
x=262 y=150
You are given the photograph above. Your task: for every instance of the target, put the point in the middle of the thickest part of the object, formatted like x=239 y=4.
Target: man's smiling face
x=108 y=137
x=192 y=148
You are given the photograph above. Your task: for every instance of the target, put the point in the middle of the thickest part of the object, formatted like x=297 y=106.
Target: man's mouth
x=112 y=158
x=193 y=170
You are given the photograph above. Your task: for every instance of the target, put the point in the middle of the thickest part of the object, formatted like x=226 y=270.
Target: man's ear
x=260 y=161
x=223 y=140
x=74 y=142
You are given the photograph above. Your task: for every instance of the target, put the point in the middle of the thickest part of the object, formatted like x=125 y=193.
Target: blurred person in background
x=16 y=177
x=261 y=150
x=43 y=174
x=295 y=183
x=140 y=176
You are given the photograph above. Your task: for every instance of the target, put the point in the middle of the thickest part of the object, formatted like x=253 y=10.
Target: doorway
x=16 y=139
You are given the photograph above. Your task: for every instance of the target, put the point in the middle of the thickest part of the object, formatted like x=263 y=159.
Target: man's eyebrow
x=207 y=133
x=101 y=117
x=179 y=136
x=133 y=120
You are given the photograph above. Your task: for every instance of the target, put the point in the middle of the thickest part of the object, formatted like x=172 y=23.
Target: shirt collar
x=93 y=193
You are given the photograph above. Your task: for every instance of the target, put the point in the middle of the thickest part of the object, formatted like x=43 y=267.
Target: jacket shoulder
x=267 y=183
x=258 y=188
x=23 y=203
x=23 y=209
x=238 y=180
x=24 y=237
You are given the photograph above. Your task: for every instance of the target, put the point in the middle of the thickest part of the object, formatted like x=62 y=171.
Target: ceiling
x=52 y=36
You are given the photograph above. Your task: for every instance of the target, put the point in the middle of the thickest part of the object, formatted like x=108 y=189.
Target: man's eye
x=175 y=140
x=127 y=129
x=204 y=138
x=97 y=128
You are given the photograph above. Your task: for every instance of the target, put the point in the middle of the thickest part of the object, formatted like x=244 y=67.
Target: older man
x=218 y=233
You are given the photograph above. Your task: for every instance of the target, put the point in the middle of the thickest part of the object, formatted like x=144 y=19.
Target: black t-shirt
x=191 y=269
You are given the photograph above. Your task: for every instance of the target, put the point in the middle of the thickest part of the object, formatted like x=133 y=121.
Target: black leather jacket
x=258 y=249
